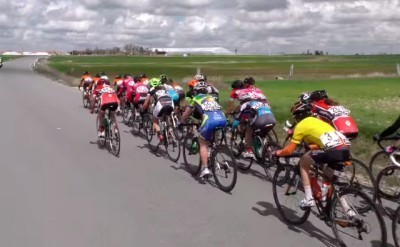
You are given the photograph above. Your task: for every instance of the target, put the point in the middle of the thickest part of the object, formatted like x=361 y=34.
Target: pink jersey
x=140 y=91
x=246 y=94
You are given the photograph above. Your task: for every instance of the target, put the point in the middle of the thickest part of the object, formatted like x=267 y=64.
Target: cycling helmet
x=200 y=87
x=102 y=82
x=118 y=76
x=192 y=83
x=318 y=95
x=97 y=75
x=163 y=78
x=155 y=82
x=301 y=110
x=237 y=84
x=249 y=80
x=126 y=76
x=142 y=75
x=103 y=73
x=104 y=77
x=200 y=77
x=304 y=97
x=86 y=72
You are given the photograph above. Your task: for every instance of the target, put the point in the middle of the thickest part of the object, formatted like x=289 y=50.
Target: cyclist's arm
x=288 y=150
x=186 y=114
x=391 y=129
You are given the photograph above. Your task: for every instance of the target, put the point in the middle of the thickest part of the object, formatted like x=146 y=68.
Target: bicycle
x=86 y=98
x=357 y=173
x=168 y=126
x=220 y=169
x=333 y=205
x=128 y=114
x=260 y=139
x=112 y=136
x=381 y=158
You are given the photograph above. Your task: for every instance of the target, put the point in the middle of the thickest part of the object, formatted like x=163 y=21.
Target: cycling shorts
x=139 y=98
x=263 y=123
x=331 y=156
x=108 y=101
x=211 y=121
x=164 y=106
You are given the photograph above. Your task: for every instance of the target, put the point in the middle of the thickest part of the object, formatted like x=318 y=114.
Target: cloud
x=251 y=26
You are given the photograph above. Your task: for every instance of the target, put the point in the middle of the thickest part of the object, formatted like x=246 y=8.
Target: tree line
x=129 y=49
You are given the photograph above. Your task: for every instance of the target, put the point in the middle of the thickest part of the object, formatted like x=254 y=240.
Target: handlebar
x=388 y=138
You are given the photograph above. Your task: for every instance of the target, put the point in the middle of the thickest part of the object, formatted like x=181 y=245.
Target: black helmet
x=301 y=110
x=163 y=78
x=86 y=72
x=237 y=84
x=249 y=80
x=304 y=97
x=318 y=95
x=97 y=75
x=127 y=75
x=142 y=75
x=103 y=73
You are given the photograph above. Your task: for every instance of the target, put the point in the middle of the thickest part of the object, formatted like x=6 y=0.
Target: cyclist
x=245 y=92
x=117 y=82
x=86 y=80
x=390 y=131
x=95 y=78
x=205 y=108
x=327 y=145
x=140 y=91
x=162 y=102
x=332 y=112
x=108 y=100
x=143 y=78
x=176 y=92
x=126 y=89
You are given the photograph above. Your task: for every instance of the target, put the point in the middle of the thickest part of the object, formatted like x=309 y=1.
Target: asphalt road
x=58 y=189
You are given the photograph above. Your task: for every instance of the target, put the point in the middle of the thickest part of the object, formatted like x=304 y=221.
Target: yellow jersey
x=312 y=130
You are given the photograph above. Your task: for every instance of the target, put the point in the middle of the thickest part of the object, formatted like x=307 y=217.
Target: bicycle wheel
x=191 y=154
x=114 y=139
x=268 y=164
x=171 y=144
x=379 y=161
x=273 y=136
x=395 y=227
x=223 y=167
x=388 y=189
x=360 y=177
x=151 y=134
x=100 y=141
x=349 y=225
x=236 y=144
x=288 y=191
x=137 y=125
x=126 y=115
x=85 y=99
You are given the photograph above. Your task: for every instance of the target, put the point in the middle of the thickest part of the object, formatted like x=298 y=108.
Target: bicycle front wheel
x=379 y=161
x=151 y=134
x=395 y=227
x=388 y=189
x=223 y=167
x=352 y=228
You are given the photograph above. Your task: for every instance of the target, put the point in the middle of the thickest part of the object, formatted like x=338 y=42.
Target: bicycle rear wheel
x=269 y=165
x=395 y=227
x=101 y=141
x=223 y=167
x=191 y=154
x=288 y=191
x=171 y=144
x=85 y=99
x=349 y=225
x=114 y=139
x=151 y=134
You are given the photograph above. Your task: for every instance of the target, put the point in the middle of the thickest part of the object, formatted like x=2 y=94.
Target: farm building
x=198 y=51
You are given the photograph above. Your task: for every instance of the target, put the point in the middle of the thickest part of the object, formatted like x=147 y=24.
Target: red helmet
x=101 y=82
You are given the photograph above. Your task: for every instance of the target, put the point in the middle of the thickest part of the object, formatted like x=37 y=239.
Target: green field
x=367 y=85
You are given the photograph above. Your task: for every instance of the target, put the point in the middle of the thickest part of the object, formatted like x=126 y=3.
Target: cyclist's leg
x=306 y=161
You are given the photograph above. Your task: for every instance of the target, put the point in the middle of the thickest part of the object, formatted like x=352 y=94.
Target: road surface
x=58 y=189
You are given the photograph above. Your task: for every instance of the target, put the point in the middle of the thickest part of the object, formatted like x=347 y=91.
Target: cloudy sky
x=251 y=26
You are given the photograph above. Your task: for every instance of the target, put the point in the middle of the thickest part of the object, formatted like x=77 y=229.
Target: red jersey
x=337 y=116
x=247 y=94
x=140 y=92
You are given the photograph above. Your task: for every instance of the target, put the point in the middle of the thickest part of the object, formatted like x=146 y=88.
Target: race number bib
x=333 y=139
x=338 y=111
